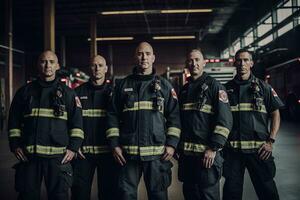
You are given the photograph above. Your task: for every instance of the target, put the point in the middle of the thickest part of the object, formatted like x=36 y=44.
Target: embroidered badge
x=78 y=104
x=223 y=96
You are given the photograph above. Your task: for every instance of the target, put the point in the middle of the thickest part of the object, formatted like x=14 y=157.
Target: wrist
x=270 y=140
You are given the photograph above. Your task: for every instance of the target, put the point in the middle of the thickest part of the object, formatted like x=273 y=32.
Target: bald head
x=144 y=57
x=48 y=65
x=97 y=58
x=98 y=69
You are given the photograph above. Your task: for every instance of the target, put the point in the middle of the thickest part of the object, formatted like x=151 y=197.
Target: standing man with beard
x=144 y=128
x=206 y=121
x=250 y=142
x=45 y=131
x=95 y=152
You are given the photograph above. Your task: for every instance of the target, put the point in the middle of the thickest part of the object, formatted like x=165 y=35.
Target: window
x=236 y=45
x=285 y=29
x=225 y=54
x=264 y=27
x=265 y=41
x=249 y=38
x=283 y=13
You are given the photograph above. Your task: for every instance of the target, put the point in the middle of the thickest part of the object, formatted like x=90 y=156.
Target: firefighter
x=95 y=152
x=144 y=128
x=206 y=122
x=45 y=131
x=250 y=142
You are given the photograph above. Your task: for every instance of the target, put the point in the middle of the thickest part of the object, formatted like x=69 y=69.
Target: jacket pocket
x=159 y=128
x=66 y=174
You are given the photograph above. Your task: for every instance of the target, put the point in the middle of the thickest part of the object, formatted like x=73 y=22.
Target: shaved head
x=48 y=52
x=48 y=65
x=144 y=58
x=143 y=45
x=98 y=58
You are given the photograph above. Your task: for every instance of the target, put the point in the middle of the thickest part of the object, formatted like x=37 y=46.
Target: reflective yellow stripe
x=112 y=132
x=222 y=131
x=45 y=150
x=174 y=131
x=246 y=144
x=76 y=132
x=44 y=112
x=144 y=151
x=94 y=113
x=95 y=149
x=140 y=105
x=15 y=132
x=247 y=107
x=193 y=147
x=194 y=106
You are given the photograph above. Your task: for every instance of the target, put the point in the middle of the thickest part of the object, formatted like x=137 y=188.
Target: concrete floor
x=286 y=153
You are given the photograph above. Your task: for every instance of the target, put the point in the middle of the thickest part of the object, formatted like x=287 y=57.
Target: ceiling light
x=174 y=37
x=134 y=12
x=186 y=11
x=112 y=38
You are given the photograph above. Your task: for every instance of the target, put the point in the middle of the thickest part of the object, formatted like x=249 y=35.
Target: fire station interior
x=77 y=29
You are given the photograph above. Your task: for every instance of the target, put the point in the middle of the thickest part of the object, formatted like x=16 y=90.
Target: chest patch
x=83 y=97
x=128 y=89
x=223 y=96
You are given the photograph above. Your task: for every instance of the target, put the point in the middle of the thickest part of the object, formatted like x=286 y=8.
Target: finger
x=164 y=156
x=64 y=159
x=260 y=149
x=81 y=155
x=122 y=159
x=263 y=155
x=21 y=156
x=266 y=155
x=119 y=161
x=168 y=157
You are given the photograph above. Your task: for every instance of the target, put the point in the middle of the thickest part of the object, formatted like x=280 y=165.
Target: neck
x=98 y=81
x=197 y=76
x=244 y=77
x=147 y=71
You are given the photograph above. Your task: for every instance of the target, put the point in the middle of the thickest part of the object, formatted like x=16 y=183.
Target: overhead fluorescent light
x=112 y=38
x=134 y=12
x=179 y=37
x=186 y=11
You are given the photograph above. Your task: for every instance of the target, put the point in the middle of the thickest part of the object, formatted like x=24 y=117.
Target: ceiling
x=73 y=17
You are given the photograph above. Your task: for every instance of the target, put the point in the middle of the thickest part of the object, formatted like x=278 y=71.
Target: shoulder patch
x=223 y=96
x=78 y=104
x=174 y=95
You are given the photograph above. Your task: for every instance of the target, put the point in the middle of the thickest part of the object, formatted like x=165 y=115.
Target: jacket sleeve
x=172 y=116
x=15 y=121
x=273 y=102
x=222 y=117
x=113 y=113
x=75 y=122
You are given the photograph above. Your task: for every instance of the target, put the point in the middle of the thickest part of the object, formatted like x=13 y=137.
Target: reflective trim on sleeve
x=95 y=149
x=94 y=113
x=194 y=147
x=194 y=106
x=144 y=151
x=141 y=105
x=45 y=150
x=221 y=130
x=76 y=132
x=246 y=144
x=247 y=107
x=45 y=112
x=174 y=131
x=14 y=132
x=112 y=132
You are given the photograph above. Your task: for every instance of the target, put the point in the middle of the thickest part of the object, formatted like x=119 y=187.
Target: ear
x=106 y=68
x=251 y=63
x=57 y=66
x=153 y=58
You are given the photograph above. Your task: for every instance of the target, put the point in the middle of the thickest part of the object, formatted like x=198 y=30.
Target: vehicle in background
x=285 y=79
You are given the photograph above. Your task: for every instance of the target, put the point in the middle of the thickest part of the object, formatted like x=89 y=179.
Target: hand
x=20 y=154
x=118 y=155
x=208 y=158
x=168 y=154
x=265 y=151
x=68 y=156
x=80 y=154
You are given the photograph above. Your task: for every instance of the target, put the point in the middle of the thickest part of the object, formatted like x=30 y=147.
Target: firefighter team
x=62 y=136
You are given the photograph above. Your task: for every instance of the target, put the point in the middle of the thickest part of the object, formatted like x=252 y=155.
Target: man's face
x=195 y=63
x=48 y=64
x=243 y=63
x=144 y=56
x=98 y=67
